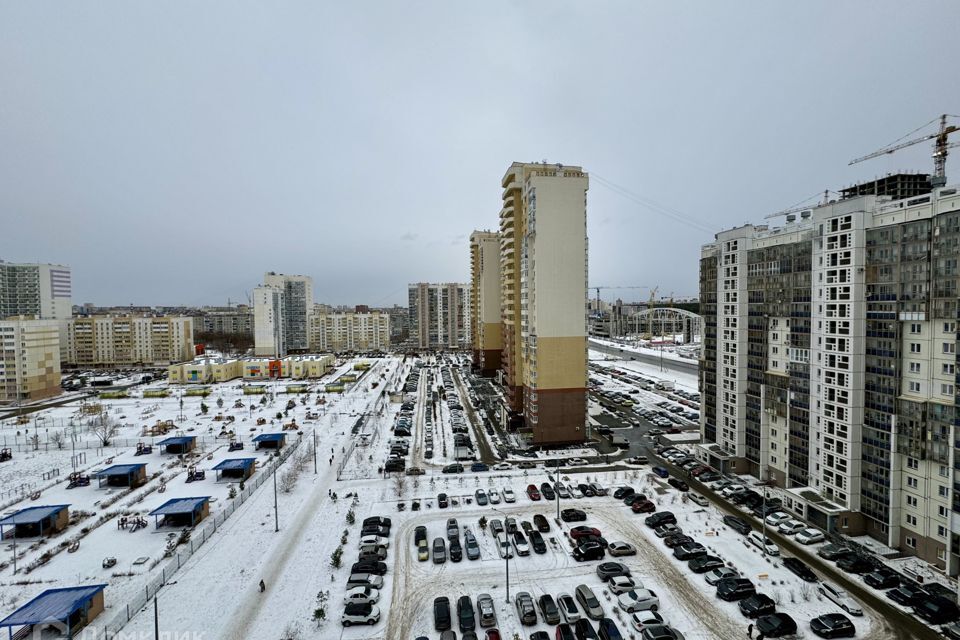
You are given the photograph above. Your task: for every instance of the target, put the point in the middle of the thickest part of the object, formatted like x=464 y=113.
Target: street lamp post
x=276 y=515
x=506 y=555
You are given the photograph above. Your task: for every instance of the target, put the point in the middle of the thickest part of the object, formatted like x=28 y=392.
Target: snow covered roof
x=52 y=604
x=31 y=515
x=176 y=440
x=179 y=505
x=119 y=470
x=270 y=437
x=233 y=463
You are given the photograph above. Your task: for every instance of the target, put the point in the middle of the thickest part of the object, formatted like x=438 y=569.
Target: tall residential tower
x=486 y=329
x=543 y=266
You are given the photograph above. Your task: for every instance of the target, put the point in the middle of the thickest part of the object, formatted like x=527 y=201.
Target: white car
x=732 y=490
x=790 y=527
x=618 y=548
x=715 y=576
x=503 y=546
x=577 y=462
x=493 y=496
x=840 y=598
x=718 y=485
x=764 y=544
x=699 y=499
x=360 y=614
x=568 y=608
x=362 y=595
x=622 y=584
x=810 y=536
x=509 y=495
x=374 y=540
x=638 y=600
x=502 y=466
x=774 y=519
x=520 y=544
x=643 y=619
x=574 y=492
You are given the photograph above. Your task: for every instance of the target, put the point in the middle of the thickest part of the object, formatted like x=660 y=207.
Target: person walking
x=750 y=630
x=263 y=586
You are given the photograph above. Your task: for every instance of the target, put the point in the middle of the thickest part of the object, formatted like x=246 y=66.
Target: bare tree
x=105 y=429
x=400 y=484
x=58 y=439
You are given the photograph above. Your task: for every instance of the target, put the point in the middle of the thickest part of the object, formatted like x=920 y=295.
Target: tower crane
x=940 y=146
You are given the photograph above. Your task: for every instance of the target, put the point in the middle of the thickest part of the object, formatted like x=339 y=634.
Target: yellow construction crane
x=940 y=146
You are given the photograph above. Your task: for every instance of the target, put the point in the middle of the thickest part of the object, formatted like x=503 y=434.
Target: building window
x=913 y=463
x=949 y=347
x=943 y=491
x=944 y=471
x=914 y=347
x=912 y=482
x=914 y=387
x=912 y=521
x=911 y=501
x=942 y=511
x=914 y=328
x=914 y=367
x=949 y=327
x=948 y=369
x=946 y=389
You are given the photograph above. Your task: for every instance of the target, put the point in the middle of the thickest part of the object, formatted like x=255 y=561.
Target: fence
x=197 y=538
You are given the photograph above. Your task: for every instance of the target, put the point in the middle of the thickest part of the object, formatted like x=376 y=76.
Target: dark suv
x=465 y=615
x=441 y=613
x=733 y=589
x=659 y=519
x=588 y=551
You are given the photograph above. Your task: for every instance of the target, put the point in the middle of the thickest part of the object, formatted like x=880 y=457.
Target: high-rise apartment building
x=228 y=321
x=439 y=315
x=112 y=341
x=340 y=332
x=268 y=322
x=39 y=290
x=543 y=266
x=829 y=364
x=486 y=329
x=29 y=359
x=297 y=307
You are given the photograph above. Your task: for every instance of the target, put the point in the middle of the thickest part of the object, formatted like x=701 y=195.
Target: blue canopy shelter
x=236 y=468
x=182 y=512
x=123 y=475
x=65 y=610
x=270 y=440
x=178 y=444
x=36 y=521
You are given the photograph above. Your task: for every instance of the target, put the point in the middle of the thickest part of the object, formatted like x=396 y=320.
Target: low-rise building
x=210 y=370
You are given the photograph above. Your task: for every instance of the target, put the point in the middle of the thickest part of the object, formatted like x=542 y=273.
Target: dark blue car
x=479 y=466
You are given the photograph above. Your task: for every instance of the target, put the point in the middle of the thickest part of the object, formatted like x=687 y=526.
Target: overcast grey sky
x=171 y=152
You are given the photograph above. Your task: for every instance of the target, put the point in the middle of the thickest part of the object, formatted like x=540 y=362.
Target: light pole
x=276 y=515
x=506 y=553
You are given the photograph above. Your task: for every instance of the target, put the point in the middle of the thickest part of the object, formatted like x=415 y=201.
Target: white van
x=764 y=544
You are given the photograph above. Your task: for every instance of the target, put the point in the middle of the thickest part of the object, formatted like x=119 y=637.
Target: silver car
x=486 y=610
x=588 y=600
x=525 y=609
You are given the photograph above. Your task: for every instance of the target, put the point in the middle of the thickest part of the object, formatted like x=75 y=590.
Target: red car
x=646 y=506
x=581 y=531
x=493 y=634
x=696 y=471
x=532 y=492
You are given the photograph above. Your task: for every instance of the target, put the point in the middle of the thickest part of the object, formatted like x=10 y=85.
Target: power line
x=652 y=205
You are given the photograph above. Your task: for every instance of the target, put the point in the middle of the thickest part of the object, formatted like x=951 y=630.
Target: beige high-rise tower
x=486 y=329
x=543 y=261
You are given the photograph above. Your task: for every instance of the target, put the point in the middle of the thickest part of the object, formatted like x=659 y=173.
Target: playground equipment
x=235 y=446
x=77 y=479
x=194 y=474
x=5 y=454
x=143 y=449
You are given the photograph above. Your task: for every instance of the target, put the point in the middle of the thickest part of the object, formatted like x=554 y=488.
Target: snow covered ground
x=682 y=380
x=215 y=592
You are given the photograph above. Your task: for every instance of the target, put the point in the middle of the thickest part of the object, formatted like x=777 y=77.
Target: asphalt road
x=669 y=364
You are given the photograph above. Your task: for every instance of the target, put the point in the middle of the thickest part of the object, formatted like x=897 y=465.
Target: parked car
x=739 y=525
x=423 y=551
x=361 y=595
x=548 y=609
x=364 y=580
x=735 y=589
x=465 y=615
x=800 y=568
x=840 y=598
x=525 y=609
x=678 y=484
x=623 y=492
x=441 y=613
x=618 y=548
x=355 y=613
x=583 y=630
x=536 y=543
x=588 y=602
x=582 y=531
x=790 y=527
x=573 y=515
x=644 y=506
x=643 y=619
x=638 y=600
x=588 y=551
x=715 y=576
x=439 y=551
x=764 y=544
x=541 y=523
x=520 y=545
x=481 y=497
x=622 y=584
x=855 y=563
x=442 y=501
x=689 y=551
x=607 y=630
x=660 y=632
x=606 y=570
x=937 y=610
x=908 y=595
x=453 y=468
x=833 y=551
x=667 y=530
x=456 y=550
x=809 y=535
x=532 y=492
x=776 y=625
x=369 y=566
x=659 y=519
x=759 y=604
x=705 y=563
x=568 y=608
x=833 y=625
x=699 y=499
x=882 y=578
x=508 y=495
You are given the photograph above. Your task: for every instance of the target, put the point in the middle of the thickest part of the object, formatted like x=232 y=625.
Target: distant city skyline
x=171 y=155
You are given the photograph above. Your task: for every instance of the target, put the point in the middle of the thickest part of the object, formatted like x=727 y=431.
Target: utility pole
x=276 y=514
x=156 y=618
x=315 y=451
